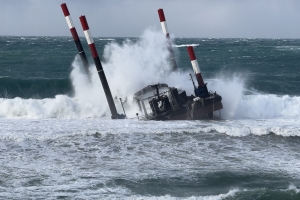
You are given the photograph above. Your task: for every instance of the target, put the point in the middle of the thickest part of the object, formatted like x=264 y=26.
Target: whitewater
x=57 y=139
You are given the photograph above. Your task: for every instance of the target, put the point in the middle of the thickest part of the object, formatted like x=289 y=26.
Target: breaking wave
x=231 y=193
x=128 y=70
x=253 y=105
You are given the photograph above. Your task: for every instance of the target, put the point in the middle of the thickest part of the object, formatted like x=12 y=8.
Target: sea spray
x=242 y=103
x=135 y=63
x=85 y=92
x=129 y=67
x=63 y=144
x=232 y=91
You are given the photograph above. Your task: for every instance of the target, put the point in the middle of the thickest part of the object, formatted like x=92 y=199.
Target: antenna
x=122 y=106
x=193 y=81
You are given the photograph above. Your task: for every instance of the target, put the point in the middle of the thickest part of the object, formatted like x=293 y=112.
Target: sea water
x=57 y=140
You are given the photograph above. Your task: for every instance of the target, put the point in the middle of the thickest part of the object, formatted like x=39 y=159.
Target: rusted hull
x=190 y=113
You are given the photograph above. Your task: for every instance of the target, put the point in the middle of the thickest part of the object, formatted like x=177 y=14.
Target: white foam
x=238 y=105
x=128 y=68
x=232 y=91
x=106 y=39
x=282 y=127
x=231 y=193
x=134 y=64
x=61 y=106
x=293 y=188
x=185 y=45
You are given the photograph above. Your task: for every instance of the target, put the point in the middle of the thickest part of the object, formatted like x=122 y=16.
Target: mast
x=76 y=39
x=201 y=91
x=195 y=66
x=99 y=67
x=166 y=32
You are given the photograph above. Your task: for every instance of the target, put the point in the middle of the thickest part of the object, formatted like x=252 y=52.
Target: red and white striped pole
x=163 y=22
x=99 y=67
x=164 y=27
x=195 y=66
x=76 y=39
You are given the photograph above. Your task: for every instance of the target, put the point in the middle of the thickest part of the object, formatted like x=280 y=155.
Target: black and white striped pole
x=76 y=39
x=90 y=41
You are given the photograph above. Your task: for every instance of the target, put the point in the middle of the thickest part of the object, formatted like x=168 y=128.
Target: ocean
x=57 y=140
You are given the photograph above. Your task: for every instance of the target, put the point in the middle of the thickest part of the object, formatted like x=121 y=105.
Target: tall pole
x=201 y=91
x=76 y=39
x=99 y=67
x=195 y=66
x=166 y=32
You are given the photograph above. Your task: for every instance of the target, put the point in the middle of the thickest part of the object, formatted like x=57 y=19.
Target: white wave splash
x=244 y=127
x=238 y=105
x=61 y=106
x=293 y=188
x=129 y=67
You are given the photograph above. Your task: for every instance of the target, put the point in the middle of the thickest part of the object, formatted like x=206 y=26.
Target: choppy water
x=57 y=141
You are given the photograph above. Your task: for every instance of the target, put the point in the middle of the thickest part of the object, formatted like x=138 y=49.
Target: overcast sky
x=129 y=18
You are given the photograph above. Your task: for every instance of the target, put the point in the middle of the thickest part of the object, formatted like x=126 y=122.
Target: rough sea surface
x=57 y=140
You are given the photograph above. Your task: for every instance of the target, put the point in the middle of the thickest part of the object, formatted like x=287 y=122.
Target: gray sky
x=126 y=18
